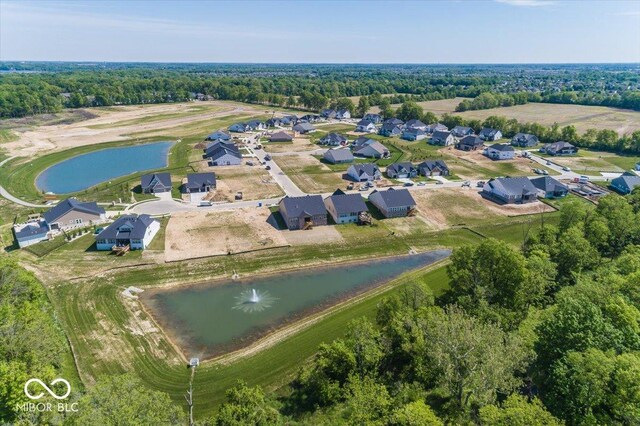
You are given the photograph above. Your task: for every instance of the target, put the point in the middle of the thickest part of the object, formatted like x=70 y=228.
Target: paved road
x=4 y=193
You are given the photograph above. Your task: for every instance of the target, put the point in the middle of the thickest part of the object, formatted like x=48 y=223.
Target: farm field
x=581 y=116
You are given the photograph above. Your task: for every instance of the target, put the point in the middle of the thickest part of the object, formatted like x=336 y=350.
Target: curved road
x=8 y=196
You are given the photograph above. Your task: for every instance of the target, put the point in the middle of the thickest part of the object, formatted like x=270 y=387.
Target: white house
x=500 y=151
x=134 y=231
x=366 y=126
x=365 y=172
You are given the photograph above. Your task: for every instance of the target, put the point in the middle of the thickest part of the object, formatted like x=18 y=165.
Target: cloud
x=527 y=3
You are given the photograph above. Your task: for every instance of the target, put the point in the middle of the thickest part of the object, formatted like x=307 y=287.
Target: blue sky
x=463 y=31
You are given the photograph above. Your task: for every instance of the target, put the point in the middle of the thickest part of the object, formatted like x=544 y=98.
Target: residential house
x=280 y=137
x=224 y=155
x=214 y=144
x=374 y=118
x=373 y=149
x=549 y=187
x=637 y=167
x=393 y=121
x=559 y=148
x=500 y=151
x=219 y=135
x=365 y=172
x=129 y=230
x=345 y=208
x=413 y=134
x=303 y=212
x=338 y=156
x=310 y=118
x=390 y=129
x=255 y=125
x=328 y=113
x=238 y=128
x=343 y=114
x=433 y=168
x=511 y=190
x=333 y=139
x=469 y=143
x=402 y=170
x=489 y=134
x=366 y=126
x=72 y=213
x=443 y=138
x=393 y=202
x=524 y=140
x=198 y=185
x=415 y=124
x=461 y=131
x=626 y=182
x=288 y=120
x=155 y=183
x=362 y=141
x=31 y=232
x=303 y=128
x=436 y=127
x=274 y=122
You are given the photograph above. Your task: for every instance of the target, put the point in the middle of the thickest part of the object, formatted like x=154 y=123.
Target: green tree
x=368 y=402
x=517 y=411
x=363 y=106
x=248 y=406
x=415 y=413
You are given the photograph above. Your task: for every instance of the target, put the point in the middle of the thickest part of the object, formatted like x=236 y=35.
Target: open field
x=586 y=161
x=581 y=116
x=309 y=174
x=254 y=182
x=299 y=144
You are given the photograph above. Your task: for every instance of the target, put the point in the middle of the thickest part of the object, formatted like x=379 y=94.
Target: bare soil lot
x=582 y=116
x=200 y=234
x=474 y=165
x=447 y=207
x=316 y=235
x=309 y=174
x=254 y=182
x=299 y=144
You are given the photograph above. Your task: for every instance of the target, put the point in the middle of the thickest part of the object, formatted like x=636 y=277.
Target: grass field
x=581 y=116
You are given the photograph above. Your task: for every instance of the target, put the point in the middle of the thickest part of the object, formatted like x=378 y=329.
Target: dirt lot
x=309 y=174
x=317 y=235
x=474 y=165
x=116 y=123
x=299 y=144
x=199 y=234
x=582 y=116
x=442 y=208
x=254 y=182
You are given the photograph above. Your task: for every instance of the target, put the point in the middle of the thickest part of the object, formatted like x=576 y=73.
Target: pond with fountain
x=209 y=319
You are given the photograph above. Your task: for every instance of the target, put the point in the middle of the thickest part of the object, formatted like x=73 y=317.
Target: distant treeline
x=33 y=88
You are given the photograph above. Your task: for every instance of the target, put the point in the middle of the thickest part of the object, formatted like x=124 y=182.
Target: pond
x=209 y=319
x=87 y=170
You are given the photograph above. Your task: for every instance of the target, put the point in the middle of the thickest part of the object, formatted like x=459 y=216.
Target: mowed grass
x=7 y=135
x=581 y=116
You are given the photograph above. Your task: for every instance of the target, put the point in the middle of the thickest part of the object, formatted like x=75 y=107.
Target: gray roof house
x=328 y=113
x=393 y=202
x=345 y=208
x=390 y=129
x=559 y=148
x=549 y=187
x=364 y=172
x=461 y=131
x=415 y=124
x=362 y=141
x=402 y=170
x=413 y=134
x=303 y=212
x=343 y=114
x=333 y=139
x=366 y=126
x=374 y=118
x=444 y=138
x=303 y=127
x=436 y=127
x=134 y=231
x=273 y=122
x=154 y=183
x=499 y=151
x=511 y=190
x=199 y=182
x=255 y=125
x=71 y=213
x=373 y=149
x=489 y=134
x=626 y=182
x=31 y=232
x=280 y=137
x=637 y=167
x=338 y=156
x=433 y=168
x=524 y=140
x=224 y=155
x=219 y=135
x=238 y=127
x=288 y=120
x=469 y=143
x=394 y=121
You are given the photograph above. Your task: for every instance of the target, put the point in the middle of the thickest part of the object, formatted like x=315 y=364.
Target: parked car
x=421 y=184
x=205 y=203
x=480 y=183
x=249 y=163
x=408 y=184
x=267 y=167
x=566 y=169
x=267 y=158
x=439 y=182
x=350 y=186
x=465 y=184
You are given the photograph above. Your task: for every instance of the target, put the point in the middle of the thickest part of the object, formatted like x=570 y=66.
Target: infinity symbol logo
x=52 y=393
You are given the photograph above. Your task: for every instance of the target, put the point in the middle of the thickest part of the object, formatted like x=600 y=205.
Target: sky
x=447 y=31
